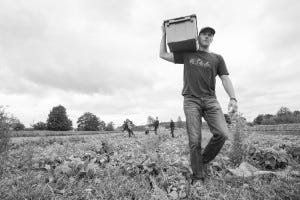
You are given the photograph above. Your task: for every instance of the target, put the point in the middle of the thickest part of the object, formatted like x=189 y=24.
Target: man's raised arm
x=163 y=53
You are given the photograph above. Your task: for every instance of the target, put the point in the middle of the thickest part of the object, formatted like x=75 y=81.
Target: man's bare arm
x=227 y=84
x=163 y=53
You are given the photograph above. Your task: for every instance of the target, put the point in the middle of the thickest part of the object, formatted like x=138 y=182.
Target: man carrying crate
x=200 y=69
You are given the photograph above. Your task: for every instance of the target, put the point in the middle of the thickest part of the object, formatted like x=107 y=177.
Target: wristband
x=232 y=98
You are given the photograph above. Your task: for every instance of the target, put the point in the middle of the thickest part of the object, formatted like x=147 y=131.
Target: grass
x=113 y=166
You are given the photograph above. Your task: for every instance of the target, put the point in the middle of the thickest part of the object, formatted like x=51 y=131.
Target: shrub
x=110 y=126
x=4 y=140
x=4 y=128
x=18 y=126
x=88 y=122
x=39 y=126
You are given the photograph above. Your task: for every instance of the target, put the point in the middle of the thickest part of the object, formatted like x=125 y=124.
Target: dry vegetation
x=37 y=133
x=113 y=166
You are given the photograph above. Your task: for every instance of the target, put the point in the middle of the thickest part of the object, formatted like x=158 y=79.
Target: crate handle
x=174 y=21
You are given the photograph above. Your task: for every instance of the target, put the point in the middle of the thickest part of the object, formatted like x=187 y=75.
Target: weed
x=76 y=139
x=238 y=151
x=4 y=131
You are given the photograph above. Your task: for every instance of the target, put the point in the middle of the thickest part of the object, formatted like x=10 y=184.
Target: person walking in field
x=172 y=127
x=200 y=69
x=156 y=125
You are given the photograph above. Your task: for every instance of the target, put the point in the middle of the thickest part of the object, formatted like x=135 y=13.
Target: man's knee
x=222 y=136
x=194 y=142
x=221 y=131
x=224 y=133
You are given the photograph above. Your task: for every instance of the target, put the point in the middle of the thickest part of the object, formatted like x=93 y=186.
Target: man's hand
x=163 y=53
x=232 y=106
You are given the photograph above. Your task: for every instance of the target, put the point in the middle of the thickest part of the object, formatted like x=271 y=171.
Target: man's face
x=205 y=38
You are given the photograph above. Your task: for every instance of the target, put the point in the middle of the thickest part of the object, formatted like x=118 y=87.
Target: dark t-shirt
x=156 y=123
x=172 y=124
x=200 y=71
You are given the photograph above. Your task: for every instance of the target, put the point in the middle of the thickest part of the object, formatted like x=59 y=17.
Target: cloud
x=102 y=56
x=88 y=57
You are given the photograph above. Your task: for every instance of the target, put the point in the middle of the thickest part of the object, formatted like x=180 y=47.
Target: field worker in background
x=156 y=125
x=130 y=126
x=127 y=126
x=172 y=127
x=200 y=69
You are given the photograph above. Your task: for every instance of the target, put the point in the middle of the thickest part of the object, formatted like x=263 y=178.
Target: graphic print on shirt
x=201 y=71
x=199 y=62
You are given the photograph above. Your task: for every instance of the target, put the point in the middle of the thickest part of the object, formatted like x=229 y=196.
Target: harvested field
x=113 y=166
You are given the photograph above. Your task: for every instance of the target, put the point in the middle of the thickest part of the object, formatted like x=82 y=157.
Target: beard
x=204 y=45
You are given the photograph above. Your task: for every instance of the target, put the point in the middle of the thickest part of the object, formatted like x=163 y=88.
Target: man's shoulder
x=218 y=56
x=212 y=54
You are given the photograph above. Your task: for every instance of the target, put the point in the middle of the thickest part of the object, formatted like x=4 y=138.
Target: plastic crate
x=182 y=33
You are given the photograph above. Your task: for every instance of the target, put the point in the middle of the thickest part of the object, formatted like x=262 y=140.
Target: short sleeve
x=178 y=58
x=222 y=69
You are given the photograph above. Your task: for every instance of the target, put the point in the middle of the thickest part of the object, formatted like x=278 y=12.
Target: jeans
x=209 y=108
x=172 y=131
x=130 y=132
x=155 y=130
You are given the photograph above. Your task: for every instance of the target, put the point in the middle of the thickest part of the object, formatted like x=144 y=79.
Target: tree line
x=283 y=116
x=58 y=120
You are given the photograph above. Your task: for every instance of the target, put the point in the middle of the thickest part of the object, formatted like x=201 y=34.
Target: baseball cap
x=207 y=28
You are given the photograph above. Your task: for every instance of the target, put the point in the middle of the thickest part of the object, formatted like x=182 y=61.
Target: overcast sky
x=102 y=56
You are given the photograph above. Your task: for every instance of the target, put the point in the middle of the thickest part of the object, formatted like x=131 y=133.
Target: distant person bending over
x=130 y=126
x=172 y=127
x=200 y=69
x=156 y=125
x=125 y=126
